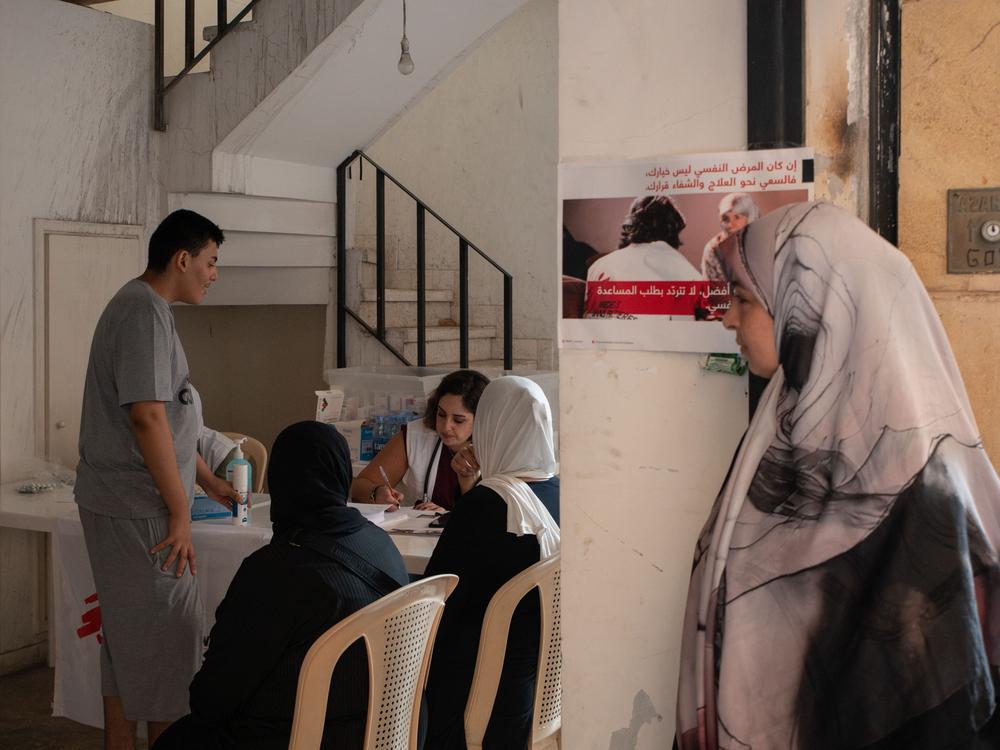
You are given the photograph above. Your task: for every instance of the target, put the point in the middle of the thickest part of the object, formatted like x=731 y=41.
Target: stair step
x=404 y=314
x=442 y=333
x=248 y=213
x=408 y=295
x=402 y=337
x=520 y=365
x=441 y=352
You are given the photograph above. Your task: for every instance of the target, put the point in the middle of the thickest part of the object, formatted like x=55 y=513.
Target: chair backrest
x=256 y=454
x=398 y=631
x=547 y=717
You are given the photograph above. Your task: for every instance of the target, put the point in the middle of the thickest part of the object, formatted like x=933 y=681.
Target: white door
x=82 y=271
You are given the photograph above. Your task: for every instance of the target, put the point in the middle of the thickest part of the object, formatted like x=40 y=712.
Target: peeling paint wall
x=837 y=100
x=950 y=100
x=75 y=108
x=646 y=437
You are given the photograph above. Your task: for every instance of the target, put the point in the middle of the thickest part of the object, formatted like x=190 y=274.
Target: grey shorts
x=151 y=620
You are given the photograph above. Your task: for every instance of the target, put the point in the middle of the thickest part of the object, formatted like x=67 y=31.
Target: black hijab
x=309 y=477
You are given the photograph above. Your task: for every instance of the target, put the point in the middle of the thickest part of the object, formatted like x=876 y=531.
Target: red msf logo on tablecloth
x=91 y=620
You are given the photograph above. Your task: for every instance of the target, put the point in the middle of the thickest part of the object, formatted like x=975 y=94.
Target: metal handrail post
x=188 y=32
x=463 y=302
x=421 y=286
x=380 y=253
x=508 y=322
x=342 y=266
x=159 y=116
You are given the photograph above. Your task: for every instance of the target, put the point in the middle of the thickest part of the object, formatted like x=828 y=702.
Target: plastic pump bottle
x=238 y=474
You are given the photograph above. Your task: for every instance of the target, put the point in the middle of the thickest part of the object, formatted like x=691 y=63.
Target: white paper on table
x=411 y=522
x=374 y=512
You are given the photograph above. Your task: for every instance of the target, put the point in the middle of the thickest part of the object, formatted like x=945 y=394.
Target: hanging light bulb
x=405 y=64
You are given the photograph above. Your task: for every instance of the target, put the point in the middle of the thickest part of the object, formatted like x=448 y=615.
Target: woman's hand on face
x=386 y=495
x=464 y=462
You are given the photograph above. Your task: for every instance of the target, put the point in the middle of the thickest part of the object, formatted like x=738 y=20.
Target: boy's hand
x=181 y=547
x=222 y=492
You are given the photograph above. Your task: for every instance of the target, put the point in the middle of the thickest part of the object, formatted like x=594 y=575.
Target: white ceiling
x=348 y=90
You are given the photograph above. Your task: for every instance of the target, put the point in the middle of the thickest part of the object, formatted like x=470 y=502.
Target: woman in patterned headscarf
x=843 y=593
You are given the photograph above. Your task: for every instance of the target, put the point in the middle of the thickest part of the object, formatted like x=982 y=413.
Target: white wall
x=646 y=437
x=481 y=149
x=75 y=110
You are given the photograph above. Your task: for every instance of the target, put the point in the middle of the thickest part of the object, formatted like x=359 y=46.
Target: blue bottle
x=367 y=452
x=239 y=473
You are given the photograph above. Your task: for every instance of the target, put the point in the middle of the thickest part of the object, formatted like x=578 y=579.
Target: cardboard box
x=328 y=405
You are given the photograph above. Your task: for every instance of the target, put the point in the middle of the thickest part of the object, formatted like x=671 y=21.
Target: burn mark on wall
x=836 y=138
x=643 y=712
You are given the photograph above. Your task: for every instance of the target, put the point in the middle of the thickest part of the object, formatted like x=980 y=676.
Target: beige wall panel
x=255 y=366
x=967 y=319
x=950 y=99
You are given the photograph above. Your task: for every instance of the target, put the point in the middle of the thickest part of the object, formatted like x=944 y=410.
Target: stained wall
x=646 y=437
x=75 y=110
x=950 y=99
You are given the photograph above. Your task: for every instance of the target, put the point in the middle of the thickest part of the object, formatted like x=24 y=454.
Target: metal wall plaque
x=974 y=230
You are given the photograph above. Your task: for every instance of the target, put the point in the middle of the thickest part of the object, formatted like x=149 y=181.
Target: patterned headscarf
x=842 y=588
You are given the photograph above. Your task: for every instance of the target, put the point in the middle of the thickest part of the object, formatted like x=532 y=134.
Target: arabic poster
x=639 y=261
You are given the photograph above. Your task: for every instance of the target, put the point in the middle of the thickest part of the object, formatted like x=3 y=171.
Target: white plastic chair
x=546 y=720
x=398 y=631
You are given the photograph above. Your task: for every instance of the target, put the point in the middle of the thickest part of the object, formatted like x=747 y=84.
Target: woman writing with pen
x=432 y=457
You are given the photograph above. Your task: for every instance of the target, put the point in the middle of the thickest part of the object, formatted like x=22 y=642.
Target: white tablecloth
x=76 y=620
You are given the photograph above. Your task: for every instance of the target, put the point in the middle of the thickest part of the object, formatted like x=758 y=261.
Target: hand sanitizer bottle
x=238 y=474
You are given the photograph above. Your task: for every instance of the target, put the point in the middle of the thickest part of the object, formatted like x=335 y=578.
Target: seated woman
x=508 y=522
x=845 y=586
x=431 y=456
x=324 y=563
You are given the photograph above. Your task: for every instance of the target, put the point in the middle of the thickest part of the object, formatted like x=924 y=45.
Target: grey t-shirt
x=135 y=356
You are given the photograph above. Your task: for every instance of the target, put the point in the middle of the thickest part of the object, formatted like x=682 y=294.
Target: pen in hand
x=385 y=478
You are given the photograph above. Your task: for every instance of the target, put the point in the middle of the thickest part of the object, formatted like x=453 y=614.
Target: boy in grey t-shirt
x=138 y=465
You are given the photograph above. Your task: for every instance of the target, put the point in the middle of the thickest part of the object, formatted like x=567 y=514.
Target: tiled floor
x=26 y=721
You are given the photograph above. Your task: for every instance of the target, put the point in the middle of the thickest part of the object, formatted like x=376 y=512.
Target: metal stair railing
x=223 y=27
x=464 y=246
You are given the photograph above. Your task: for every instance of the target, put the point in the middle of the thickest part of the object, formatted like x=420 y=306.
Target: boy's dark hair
x=468 y=384
x=181 y=230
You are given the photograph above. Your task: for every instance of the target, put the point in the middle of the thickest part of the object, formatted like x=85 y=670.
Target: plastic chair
x=398 y=631
x=256 y=454
x=546 y=719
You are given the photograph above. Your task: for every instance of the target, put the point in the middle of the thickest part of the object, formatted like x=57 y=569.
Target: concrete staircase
x=278 y=251
x=279 y=215
x=281 y=251
x=442 y=315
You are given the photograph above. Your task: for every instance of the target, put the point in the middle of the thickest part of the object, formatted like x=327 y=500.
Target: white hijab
x=513 y=438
